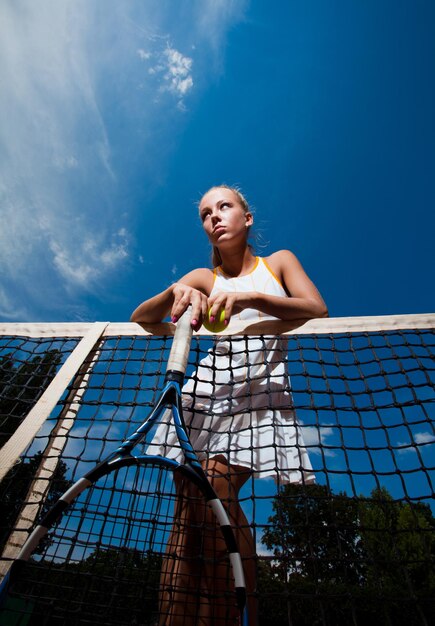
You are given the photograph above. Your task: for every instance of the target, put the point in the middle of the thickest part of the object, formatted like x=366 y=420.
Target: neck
x=237 y=262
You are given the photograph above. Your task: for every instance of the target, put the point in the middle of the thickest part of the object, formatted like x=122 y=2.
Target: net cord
x=295 y=327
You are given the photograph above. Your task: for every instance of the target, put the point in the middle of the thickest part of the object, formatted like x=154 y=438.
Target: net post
x=40 y=484
x=25 y=433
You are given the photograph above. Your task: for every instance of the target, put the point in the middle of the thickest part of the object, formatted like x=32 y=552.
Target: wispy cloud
x=422 y=438
x=172 y=69
x=178 y=74
x=215 y=17
x=54 y=142
x=316 y=438
x=143 y=54
x=64 y=73
x=96 y=258
x=9 y=309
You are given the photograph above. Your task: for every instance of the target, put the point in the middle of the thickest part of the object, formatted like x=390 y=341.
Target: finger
x=182 y=301
x=195 y=301
x=229 y=304
x=204 y=308
x=215 y=304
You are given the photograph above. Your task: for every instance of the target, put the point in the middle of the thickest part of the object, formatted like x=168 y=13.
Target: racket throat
x=174 y=376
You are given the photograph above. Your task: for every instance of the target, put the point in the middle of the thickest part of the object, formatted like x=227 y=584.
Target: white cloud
x=172 y=69
x=317 y=436
x=9 y=309
x=178 y=72
x=424 y=437
x=65 y=162
x=94 y=259
x=143 y=55
x=421 y=439
x=214 y=18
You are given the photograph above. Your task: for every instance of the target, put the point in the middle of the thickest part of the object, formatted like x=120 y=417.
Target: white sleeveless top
x=238 y=403
x=261 y=278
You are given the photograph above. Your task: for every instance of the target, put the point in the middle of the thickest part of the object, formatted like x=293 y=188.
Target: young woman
x=238 y=405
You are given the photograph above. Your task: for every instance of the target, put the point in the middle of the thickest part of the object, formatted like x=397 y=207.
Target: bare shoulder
x=281 y=260
x=201 y=278
x=292 y=275
x=294 y=279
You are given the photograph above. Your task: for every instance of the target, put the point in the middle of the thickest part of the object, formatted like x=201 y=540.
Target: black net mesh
x=335 y=467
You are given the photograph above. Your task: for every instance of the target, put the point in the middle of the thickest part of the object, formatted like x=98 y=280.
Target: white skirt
x=238 y=405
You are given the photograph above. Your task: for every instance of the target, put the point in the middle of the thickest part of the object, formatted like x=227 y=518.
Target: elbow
x=324 y=311
x=134 y=316
x=319 y=309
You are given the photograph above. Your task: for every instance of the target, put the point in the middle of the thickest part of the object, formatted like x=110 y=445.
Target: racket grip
x=179 y=354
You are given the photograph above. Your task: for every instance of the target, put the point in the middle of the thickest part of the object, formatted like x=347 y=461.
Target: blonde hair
x=216 y=258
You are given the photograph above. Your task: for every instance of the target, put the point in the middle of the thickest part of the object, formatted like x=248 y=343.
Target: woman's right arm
x=192 y=289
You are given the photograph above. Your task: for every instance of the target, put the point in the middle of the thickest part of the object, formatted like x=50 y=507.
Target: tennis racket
x=104 y=551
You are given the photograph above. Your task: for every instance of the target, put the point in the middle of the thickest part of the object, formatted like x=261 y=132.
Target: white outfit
x=238 y=403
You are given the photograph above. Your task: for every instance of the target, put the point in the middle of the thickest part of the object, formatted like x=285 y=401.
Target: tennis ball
x=218 y=325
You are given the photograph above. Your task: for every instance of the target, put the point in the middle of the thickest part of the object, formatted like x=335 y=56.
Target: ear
x=249 y=219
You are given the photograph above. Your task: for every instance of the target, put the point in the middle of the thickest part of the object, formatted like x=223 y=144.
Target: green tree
x=314 y=534
x=15 y=487
x=398 y=540
x=338 y=560
x=21 y=386
x=118 y=586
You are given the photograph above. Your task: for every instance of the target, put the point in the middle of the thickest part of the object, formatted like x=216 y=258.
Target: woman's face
x=223 y=216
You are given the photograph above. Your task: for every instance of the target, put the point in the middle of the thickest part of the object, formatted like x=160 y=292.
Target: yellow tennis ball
x=218 y=325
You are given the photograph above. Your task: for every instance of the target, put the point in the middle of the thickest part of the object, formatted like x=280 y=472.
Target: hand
x=230 y=302
x=183 y=296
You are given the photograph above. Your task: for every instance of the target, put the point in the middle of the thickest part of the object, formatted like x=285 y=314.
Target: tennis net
x=349 y=540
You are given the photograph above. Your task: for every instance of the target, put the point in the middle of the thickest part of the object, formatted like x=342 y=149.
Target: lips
x=218 y=229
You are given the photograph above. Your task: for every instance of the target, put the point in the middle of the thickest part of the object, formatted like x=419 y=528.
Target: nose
x=215 y=217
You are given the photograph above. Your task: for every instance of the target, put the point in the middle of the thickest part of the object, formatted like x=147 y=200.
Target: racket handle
x=179 y=354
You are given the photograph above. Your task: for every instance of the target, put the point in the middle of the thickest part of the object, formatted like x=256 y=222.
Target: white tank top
x=261 y=279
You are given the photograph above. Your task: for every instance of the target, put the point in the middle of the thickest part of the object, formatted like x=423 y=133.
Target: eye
x=204 y=215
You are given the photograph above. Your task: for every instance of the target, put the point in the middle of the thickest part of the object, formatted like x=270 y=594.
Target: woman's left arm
x=304 y=296
x=303 y=302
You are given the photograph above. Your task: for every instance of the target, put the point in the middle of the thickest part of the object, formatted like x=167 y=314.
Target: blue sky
x=115 y=117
